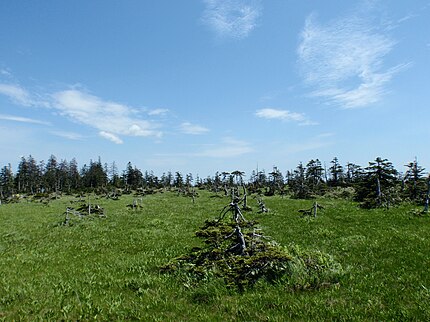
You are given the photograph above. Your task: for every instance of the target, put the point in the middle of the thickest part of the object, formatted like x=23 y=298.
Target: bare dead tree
x=235 y=209
x=313 y=211
x=262 y=205
x=240 y=247
x=193 y=195
x=136 y=204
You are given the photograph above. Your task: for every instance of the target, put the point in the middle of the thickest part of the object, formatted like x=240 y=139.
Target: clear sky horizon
x=206 y=85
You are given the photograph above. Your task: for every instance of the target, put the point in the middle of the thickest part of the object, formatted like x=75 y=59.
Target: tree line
x=376 y=185
x=32 y=177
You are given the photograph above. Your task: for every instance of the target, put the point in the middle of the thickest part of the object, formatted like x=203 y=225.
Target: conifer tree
x=6 y=182
x=314 y=176
x=354 y=173
x=51 y=174
x=415 y=183
x=377 y=189
x=336 y=173
x=74 y=176
x=298 y=184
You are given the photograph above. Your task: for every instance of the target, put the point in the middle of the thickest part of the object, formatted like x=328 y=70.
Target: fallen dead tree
x=311 y=212
x=136 y=204
x=262 y=205
x=83 y=211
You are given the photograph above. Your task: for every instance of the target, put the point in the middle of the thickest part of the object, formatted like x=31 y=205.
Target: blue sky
x=206 y=85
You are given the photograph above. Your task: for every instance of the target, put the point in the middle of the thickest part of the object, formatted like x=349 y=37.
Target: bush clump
x=242 y=256
x=346 y=193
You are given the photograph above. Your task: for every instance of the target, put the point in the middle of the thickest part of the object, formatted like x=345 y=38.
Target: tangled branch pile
x=242 y=256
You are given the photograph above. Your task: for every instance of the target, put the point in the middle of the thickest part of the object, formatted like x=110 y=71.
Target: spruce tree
x=6 y=182
x=377 y=189
x=297 y=183
x=415 y=186
x=336 y=173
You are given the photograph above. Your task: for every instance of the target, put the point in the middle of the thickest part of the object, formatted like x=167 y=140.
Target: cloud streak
x=68 y=135
x=283 y=115
x=193 y=129
x=111 y=137
x=231 y=18
x=343 y=61
x=158 y=112
x=22 y=119
x=17 y=94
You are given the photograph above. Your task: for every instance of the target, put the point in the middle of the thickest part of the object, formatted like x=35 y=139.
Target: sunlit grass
x=108 y=268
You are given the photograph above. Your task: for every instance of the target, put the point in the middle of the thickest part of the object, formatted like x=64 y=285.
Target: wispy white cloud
x=110 y=118
x=344 y=60
x=22 y=119
x=284 y=115
x=228 y=149
x=16 y=93
x=407 y=17
x=111 y=137
x=5 y=72
x=189 y=128
x=68 y=135
x=158 y=112
x=231 y=18
x=271 y=113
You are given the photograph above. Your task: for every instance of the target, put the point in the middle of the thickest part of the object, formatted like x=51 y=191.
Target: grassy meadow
x=109 y=268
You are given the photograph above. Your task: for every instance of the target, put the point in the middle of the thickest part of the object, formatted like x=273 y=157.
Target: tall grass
x=109 y=268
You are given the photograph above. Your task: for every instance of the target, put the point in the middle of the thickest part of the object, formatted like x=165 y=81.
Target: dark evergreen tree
x=199 y=182
x=276 y=182
x=189 y=180
x=166 y=180
x=6 y=182
x=315 y=177
x=354 y=174
x=114 y=178
x=22 y=176
x=377 y=189
x=415 y=187
x=289 y=177
x=179 y=180
x=169 y=179
x=94 y=176
x=336 y=173
x=297 y=183
x=238 y=175
x=34 y=176
x=217 y=182
x=134 y=177
x=208 y=182
x=261 y=178
x=63 y=180
x=225 y=178
x=74 y=176
x=51 y=174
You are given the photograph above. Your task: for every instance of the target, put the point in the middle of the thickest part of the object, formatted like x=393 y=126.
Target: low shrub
x=261 y=259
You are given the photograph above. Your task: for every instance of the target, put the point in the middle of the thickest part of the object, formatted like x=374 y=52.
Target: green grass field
x=109 y=268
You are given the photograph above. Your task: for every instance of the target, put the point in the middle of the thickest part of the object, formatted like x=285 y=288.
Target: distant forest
x=378 y=184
